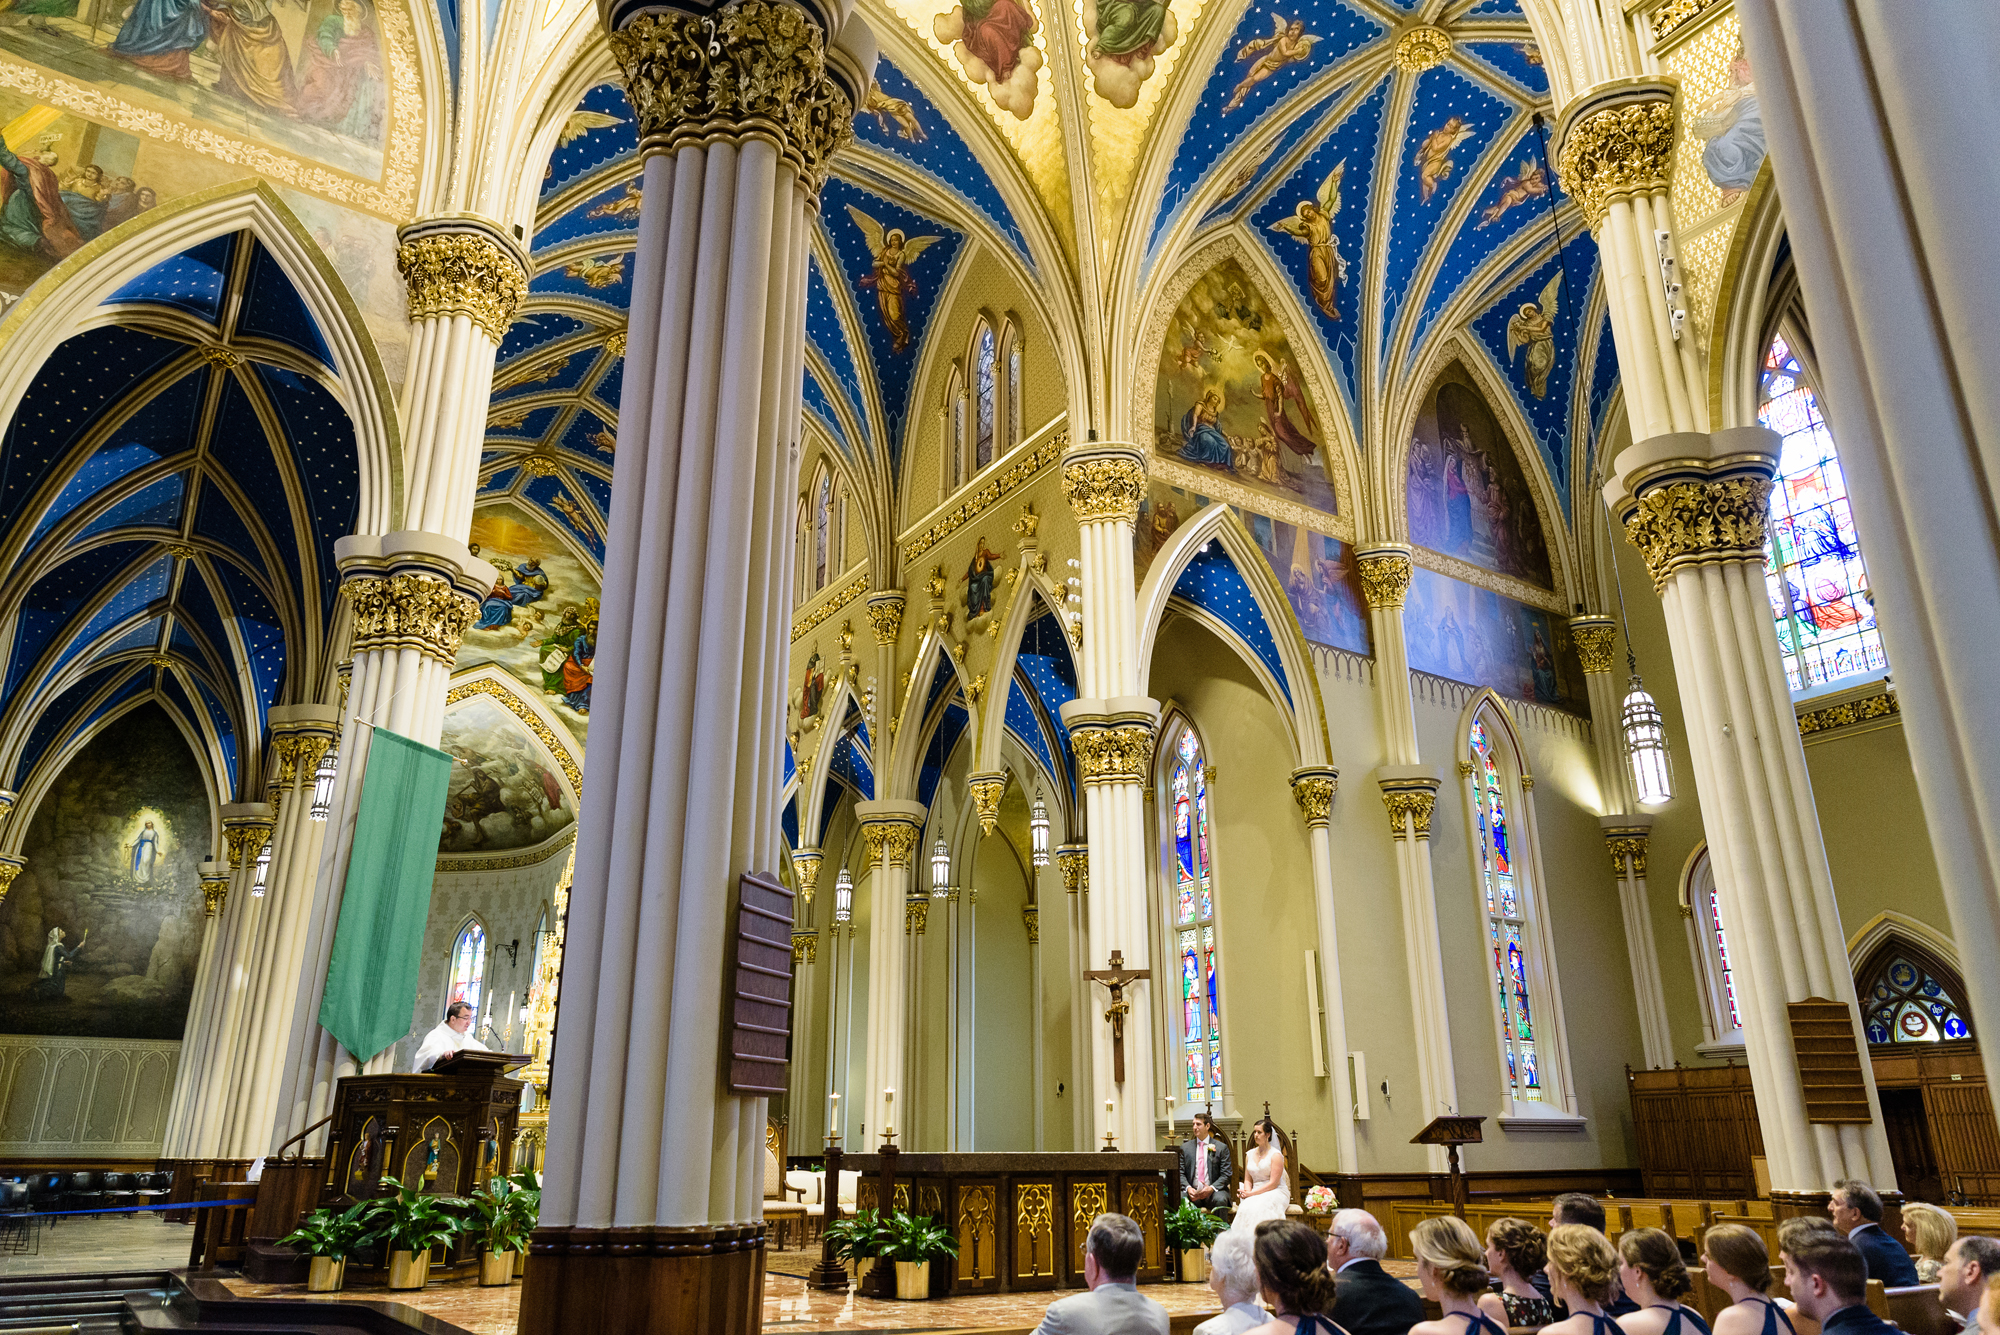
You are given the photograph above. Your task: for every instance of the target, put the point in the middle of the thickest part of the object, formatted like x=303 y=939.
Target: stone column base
x=1792 y=1204
x=634 y=1281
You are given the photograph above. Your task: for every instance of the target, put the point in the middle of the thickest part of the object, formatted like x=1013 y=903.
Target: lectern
x=1451 y=1132
x=443 y=1133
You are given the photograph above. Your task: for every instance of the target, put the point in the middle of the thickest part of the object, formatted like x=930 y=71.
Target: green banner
x=371 y=982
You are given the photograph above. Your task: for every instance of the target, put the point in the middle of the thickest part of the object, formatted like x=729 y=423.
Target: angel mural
x=1195 y=348
x=1288 y=44
x=886 y=110
x=1125 y=36
x=890 y=277
x=1530 y=181
x=994 y=41
x=1433 y=156
x=1731 y=126
x=1534 y=328
x=581 y=122
x=1312 y=223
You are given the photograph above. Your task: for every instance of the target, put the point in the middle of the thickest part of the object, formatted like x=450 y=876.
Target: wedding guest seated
x=1857 y=1212
x=1451 y=1268
x=1516 y=1250
x=1232 y=1277
x=1574 y=1207
x=1739 y=1265
x=1368 y=1300
x=1829 y=1281
x=1970 y=1266
x=1583 y=1273
x=1291 y=1271
x=1654 y=1276
x=1930 y=1233
x=1114 y=1305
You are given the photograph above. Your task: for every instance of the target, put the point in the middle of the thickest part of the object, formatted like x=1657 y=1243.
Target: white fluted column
x=655 y=1162
x=1695 y=506
x=1409 y=790
x=1626 y=830
x=1073 y=860
x=178 y=1141
x=1888 y=220
x=1313 y=789
x=206 y=1072
x=890 y=831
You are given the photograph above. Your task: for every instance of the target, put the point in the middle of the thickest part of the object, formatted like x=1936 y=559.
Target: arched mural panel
x=504 y=793
x=539 y=622
x=1467 y=494
x=102 y=929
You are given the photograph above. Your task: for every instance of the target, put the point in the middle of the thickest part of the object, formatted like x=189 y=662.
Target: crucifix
x=1117 y=978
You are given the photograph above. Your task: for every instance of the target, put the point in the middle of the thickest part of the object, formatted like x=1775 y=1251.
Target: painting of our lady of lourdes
x=303 y=76
x=102 y=930
x=1229 y=397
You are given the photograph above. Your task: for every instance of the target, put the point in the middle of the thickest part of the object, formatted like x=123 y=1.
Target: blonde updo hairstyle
x=1654 y=1254
x=1740 y=1253
x=1451 y=1249
x=1586 y=1260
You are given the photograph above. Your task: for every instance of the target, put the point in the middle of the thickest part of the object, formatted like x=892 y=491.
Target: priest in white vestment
x=452 y=1035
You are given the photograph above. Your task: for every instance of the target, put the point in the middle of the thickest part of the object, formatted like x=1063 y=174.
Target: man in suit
x=1205 y=1166
x=1828 y=1281
x=1368 y=1300
x=1857 y=1213
x=1574 y=1207
x=1968 y=1264
x=1114 y=1305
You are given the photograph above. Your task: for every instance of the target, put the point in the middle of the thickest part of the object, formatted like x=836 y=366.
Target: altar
x=1021 y=1218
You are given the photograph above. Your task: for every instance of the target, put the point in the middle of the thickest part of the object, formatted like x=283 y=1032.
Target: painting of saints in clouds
x=1230 y=398
x=1467 y=494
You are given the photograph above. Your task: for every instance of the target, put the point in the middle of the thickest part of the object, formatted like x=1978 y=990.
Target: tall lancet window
x=822 y=530
x=1506 y=919
x=468 y=966
x=1191 y=874
x=1812 y=564
x=1714 y=966
x=986 y=389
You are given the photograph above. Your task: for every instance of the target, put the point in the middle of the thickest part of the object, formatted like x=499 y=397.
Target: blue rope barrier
x=123 y=1209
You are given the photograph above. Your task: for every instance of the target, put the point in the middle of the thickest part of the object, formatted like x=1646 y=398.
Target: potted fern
x=1189 y=1230
x=494 y=1215
x=330 y=1237
x=913 y=1242
x=410 y=1223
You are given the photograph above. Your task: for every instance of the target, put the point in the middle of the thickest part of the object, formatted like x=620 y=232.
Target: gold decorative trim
x=1596 y=641
x=1074 y=864
x=1847 y=713
x=1031 y=918
x=818 y=616
x=1675 y=15
x=1410 y=803
x=1216 y=487
x=462 y=273
x=1712 y=522
x=1622 y=150
x=555 y=844
x=11 y=867
x=805 y=869
x=751 y=69
x=1623 y=847
x=547 y=735
x=805 y=947
x=1465 y=572
x=1112 y=753
x=214 y=895
x=1314 y=791
x=246 y=837
x=1385 y=577
x=916 y=915
x=408 y=611
x=890 y=840
x=885 y=615
x=1422 y=48
x=1105 y=488
x=987 y=790
x=987 y=496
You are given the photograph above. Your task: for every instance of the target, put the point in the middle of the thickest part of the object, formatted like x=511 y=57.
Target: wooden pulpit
x=443 y=1132
x=1451 y=1132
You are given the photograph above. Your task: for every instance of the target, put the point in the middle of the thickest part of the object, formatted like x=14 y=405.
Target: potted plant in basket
x=1189 y=1230
x=913 y=1242
x=410 y=1223
x=495 y=1216
x=330 y=1237
x=856 y=1240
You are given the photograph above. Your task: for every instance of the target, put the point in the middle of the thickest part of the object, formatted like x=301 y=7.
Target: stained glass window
x=1725 y=971
x=1193 y=905
x=1907 y=1005
x=468 y=966
x=822 y=523
x=1506 y=920
x=1812 y=562
x=987 y=392
x=955 y=446
x=1013 y=388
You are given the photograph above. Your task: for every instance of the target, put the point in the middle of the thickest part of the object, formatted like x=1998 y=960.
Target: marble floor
x=82 y=1244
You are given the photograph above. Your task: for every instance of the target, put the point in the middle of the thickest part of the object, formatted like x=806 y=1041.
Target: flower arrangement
x=1320 y=1201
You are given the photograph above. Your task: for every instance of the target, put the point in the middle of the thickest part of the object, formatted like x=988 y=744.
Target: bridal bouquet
x=1320 y=1200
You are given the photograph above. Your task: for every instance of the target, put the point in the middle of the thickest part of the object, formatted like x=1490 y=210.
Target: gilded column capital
x=1596 y=639
x=214 y=888
x=246 y=828
x=407 y=610
x=1073 y=861
x=805 y=870
x=1313 y=789
x=10 y=867
x=1113 y=752
x=805 y=947
x=890 y=839
x=885 y=615
x=7 y=799
x=916 y=915
x=1615 y=141
x=749 y=69
x=1626 y=846
x=1680 y=524
x=987 y=790
x=1385 y=574
x=1031 y=918
x=1410 y=799
x=462 y=265
x=1104 y=483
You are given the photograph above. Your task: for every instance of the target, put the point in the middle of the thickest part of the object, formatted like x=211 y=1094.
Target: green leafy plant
x=1190 y=1227
x=411 y=1221
x=334 y=1233
x=908 y=1237
x=856 y=1237
x=499 y=1216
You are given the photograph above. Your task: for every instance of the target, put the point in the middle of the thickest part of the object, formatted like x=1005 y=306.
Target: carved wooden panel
x=1697 y=1131
x=1140 y=1199
x=761 y=1033
x=1034 y=1232
x=1087 y=1200
x=1829 y=1062
x=1965 y=1137
x=976 y=1224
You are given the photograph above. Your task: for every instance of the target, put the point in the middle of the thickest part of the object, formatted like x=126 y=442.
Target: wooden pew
x=1918 y=1310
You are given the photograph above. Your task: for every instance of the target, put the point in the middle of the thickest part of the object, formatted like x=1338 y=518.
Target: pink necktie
x=1201 y=1163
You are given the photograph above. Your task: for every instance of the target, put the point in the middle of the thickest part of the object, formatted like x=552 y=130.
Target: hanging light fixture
x=940 y=870
x=329 y=766
x=843 y=896
x=263 y=871
x=1038 y=828
x=1645 y=730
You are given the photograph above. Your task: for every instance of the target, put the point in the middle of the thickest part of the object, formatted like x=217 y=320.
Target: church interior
x=1463 y=528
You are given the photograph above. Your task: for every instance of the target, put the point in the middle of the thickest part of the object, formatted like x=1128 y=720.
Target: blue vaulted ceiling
x=173 y=486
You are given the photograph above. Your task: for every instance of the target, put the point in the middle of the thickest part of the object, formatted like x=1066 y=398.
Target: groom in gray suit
x=1205 y=1166
x=1114 y=1305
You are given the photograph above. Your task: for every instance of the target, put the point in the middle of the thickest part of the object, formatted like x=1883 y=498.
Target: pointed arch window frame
x=471 y=923
x=1556 y=1109
x=1897 y=946
x=1721 y=1005
x=1212 y=979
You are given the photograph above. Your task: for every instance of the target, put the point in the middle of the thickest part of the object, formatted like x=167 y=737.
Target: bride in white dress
x=1267 y=1186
